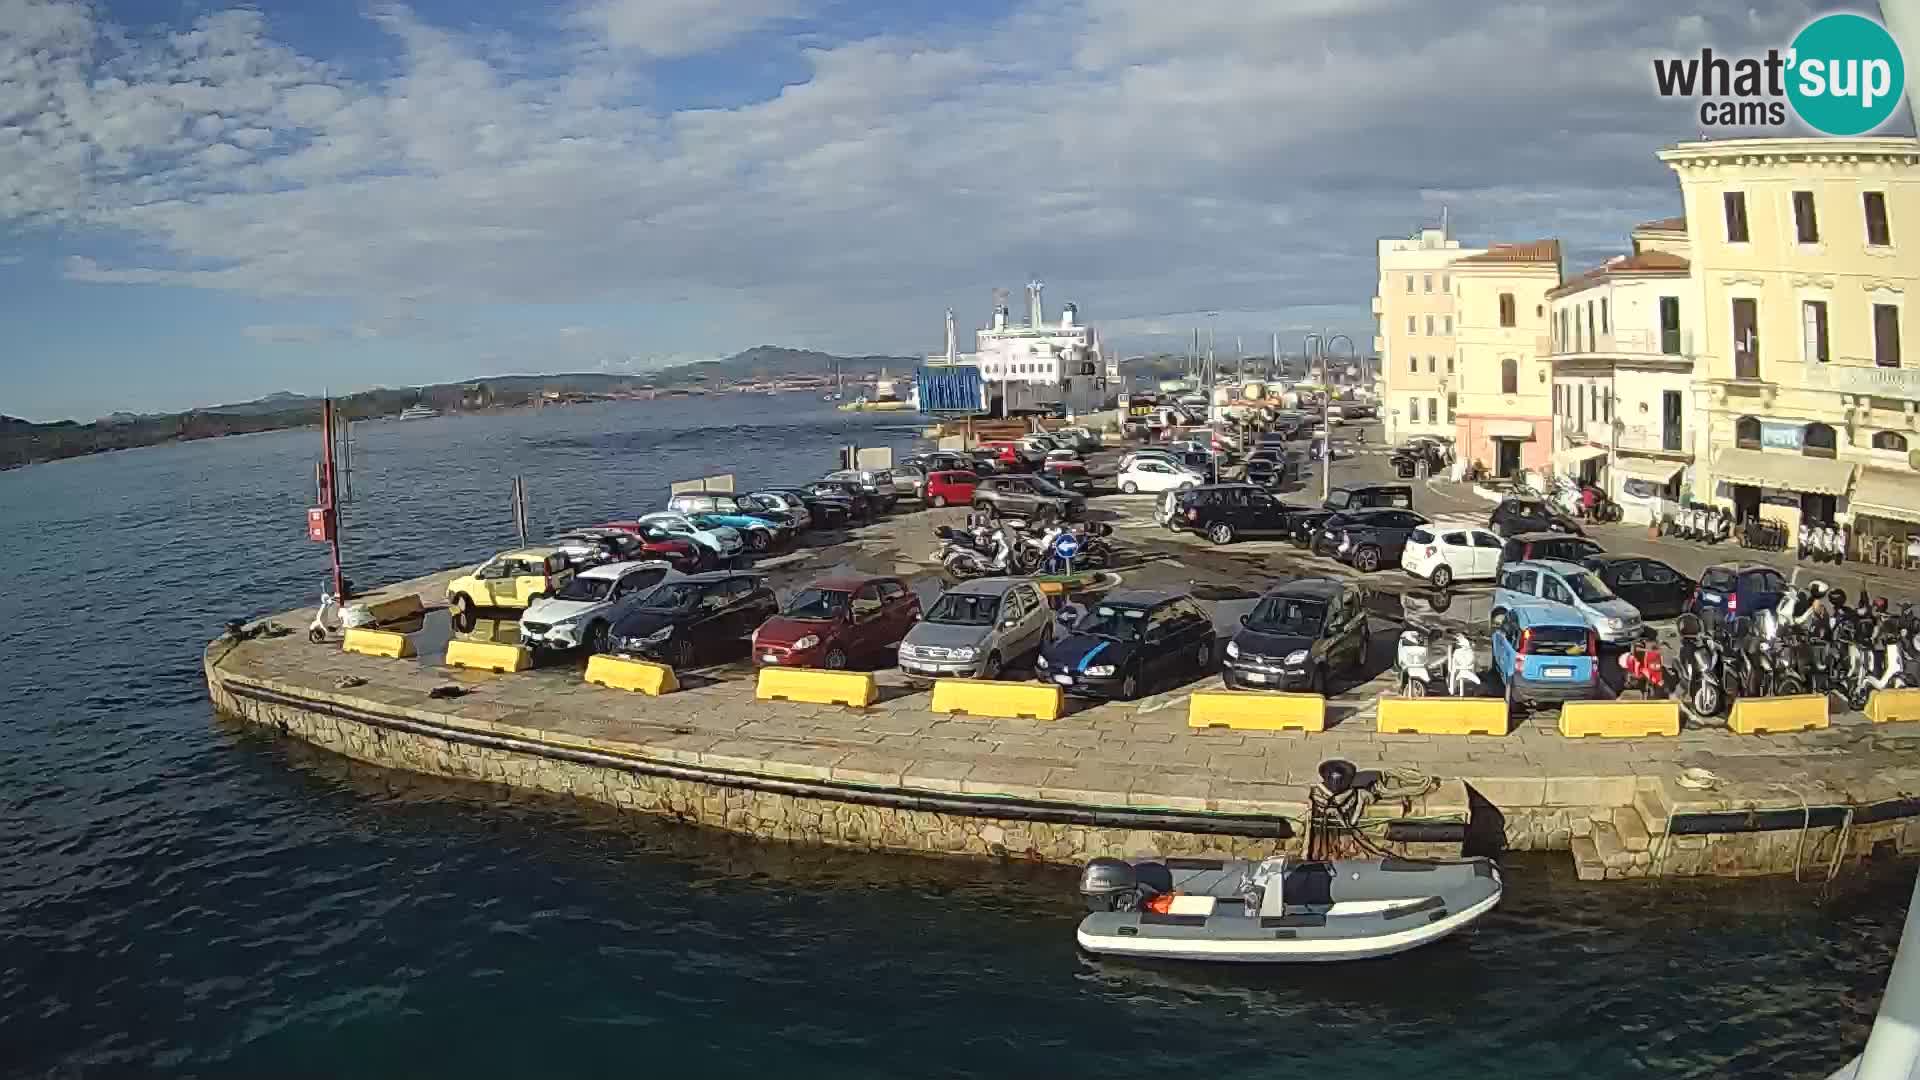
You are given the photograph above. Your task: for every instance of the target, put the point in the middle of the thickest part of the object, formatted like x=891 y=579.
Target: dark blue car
x=1730 y=590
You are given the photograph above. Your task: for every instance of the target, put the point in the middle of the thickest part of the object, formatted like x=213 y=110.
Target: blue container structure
x=953 y=391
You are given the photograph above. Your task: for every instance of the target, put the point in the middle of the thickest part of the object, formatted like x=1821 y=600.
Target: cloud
x=674 y=28
x=291 y=334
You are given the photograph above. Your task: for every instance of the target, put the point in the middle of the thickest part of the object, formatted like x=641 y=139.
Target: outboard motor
x=1109 y=884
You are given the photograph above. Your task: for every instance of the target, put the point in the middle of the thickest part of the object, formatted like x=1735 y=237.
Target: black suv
x=1369 y=496
x=1224 y=513
x=1296 y=635
x=697 y=615
x=1027 y=497
x=1367 y=539
x=1272 y=466
x=1518 y=514
x=1548 y=545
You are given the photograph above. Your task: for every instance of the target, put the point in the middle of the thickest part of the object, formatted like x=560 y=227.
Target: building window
x=1606 y=318
x=1413 y=410
x=1736 y=202
x=1593 y=340
x=1446 y=280
x=1409 y=282
x=1509 y=376
x=1746 y=433
x=1413 y=365
x=1426 y=283
x=1433 y=410
x=1670 y=325
x=1606 y=406
x=1806 y=224
x=1451 y=400
x=1432 y=364
x=1875 y=204
x=1746 y=337
x=1446 y=325
x=1410 y=325
x=1886 y=335
x=1817 y=440
x=1506 y=309
x=1670 y=420
x=1579 y=405
x=1813 y=330
x=1558 y=410
x=1890 y=440
x=1429 y=326
x=1561 y=325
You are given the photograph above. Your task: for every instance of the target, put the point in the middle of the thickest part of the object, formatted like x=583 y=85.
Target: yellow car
x=511 y=579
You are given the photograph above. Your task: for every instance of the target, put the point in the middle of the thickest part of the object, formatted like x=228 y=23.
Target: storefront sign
x=1776 y=497
x=1887 y=382
x=1777 y=436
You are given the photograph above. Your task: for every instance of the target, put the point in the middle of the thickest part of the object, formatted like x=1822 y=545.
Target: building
x=1414 y=338
x=1805 y=252
x=1037 y=363
x=1623 y=354
x=1504 y=419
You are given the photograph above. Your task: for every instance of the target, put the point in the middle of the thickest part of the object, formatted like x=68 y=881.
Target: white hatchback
x=1151 y=474
x=1444 y=553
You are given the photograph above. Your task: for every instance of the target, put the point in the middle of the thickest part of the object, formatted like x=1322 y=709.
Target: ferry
x=419 y=412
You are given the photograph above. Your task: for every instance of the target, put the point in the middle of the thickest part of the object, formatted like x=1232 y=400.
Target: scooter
x=1644 y=667
x=1803 y=546
x=1463 y=668
x=1720 y=526
x=1873 y=664
x=326 y=620
x=1697 y=676
x=1411 y=657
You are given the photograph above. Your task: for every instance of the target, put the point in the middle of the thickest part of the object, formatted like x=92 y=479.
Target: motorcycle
x=327 y=620
x=1644 y=667
x=1697 y=675
x=1411 y=657
x=1874 y=661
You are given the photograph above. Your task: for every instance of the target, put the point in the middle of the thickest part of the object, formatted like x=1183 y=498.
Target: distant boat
x=419 y=412
x=863 y=405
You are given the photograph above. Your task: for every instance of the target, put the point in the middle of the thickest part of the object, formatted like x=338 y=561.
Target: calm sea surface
x=183 y=896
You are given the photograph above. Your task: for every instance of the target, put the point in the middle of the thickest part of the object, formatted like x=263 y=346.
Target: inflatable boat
x=1276 y=911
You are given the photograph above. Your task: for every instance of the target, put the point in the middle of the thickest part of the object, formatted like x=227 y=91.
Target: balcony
x=1677 y=344
x=1379 y=307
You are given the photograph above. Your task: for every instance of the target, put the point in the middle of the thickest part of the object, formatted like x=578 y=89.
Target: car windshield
x=585 y=588
x=1118 y=623
x=817 y=604
x=965 y=609
x=1045 y=488
x=1557 y=641
x=1288 y=615
x=1587 y=586
x=678 y=597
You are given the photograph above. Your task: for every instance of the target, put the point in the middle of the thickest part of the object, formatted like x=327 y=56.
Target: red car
x=951 y=487
x=1008 y=454
x=837 y=622
x=684 y=555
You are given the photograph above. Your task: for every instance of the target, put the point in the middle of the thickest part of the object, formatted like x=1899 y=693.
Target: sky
x=202 y=203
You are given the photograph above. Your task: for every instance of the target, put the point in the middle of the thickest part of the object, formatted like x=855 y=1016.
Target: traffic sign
x=1067 y=546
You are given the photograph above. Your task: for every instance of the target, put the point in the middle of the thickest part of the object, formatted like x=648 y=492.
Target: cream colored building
x=1504 y=416
x=1806 y=254
x=1414 y=304
x=1623 y=389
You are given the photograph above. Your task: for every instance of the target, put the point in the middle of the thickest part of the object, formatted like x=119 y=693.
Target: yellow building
x=1805 y=252
x=1504 y=416
x=1415 y=335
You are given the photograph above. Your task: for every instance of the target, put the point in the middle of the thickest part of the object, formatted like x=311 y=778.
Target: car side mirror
x=1244 y=620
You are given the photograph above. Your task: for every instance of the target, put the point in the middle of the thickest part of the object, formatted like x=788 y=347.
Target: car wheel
x=757 y=540
x=938 y=501
x=1442 y=576
x=1366 y=648
x=462 y=606
x=1130 y=685
x=1130 y=488
x=680 y=655
x=1220 y=533
x=1366 y=560
x=992 y=668
x=836 y=659
x=596 y=638
x=1186 y=486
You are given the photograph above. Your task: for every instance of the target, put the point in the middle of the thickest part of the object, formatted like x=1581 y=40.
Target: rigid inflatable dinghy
x=1279 y=911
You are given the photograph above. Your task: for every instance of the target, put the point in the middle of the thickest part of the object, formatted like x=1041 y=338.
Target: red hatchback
x=683 y=555
x=954 y=487
x=837 y=622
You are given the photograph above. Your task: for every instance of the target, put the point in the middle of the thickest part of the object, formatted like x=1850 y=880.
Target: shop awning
x=1784 y=472
x=1651 y=470
x=1887 y=493
x=1573 y=456
x=1510 y=429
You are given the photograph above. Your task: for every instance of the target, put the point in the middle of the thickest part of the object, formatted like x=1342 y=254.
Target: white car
x=1153 y=454
x=780 y=500
x=1152 y=474
x=723 y=541
x=581 y=611
x=1444 y=553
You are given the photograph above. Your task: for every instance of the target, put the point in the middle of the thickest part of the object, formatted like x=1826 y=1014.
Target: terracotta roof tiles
x=1671 y=224
x=1645 y=262
x=1537 y=251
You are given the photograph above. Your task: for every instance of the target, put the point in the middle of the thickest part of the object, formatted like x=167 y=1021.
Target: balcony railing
x=1674 y=343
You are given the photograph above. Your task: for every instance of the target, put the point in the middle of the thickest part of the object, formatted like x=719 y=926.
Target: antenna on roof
x=1443 y=221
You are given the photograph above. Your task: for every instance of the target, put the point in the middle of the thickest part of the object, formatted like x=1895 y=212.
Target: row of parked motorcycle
x=1810 y=642
x=987 y=546
x=1814 y=541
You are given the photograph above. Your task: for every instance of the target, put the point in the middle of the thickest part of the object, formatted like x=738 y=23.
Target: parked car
x=837 y=621
x=1368 y=539
x=1080 y=438
x=951 y=488
x=511 y=579
x=1519 y=514
x=1026 y=497
x=698 y=615
x=976 y=629
x=1346 y=497
x=1154 y=474
x=758 y=534
x=1067 y=472
x=1297 y=635
x=792 y=506
x=1224 y=513
x=597 y=546
x=724 y=542
x=1271 y=466
x=1729 y=590
x=1153 y=453
x=827 y=511
x=876 y=483
x=1444 y=554
x=582 y=612
x=1545 y=653
x=1566 y=547
x=1658 y=590
x=942 y=461
x=1572 y=586
x=684 y=554
x=1128 y=642
x=986 y=463
x=1011 y=456
x=860 y=505
x=910 y=482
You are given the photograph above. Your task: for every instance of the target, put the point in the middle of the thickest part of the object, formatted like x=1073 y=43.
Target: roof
x=1542 y=612
x=1138 y=598
x=1368 y=513
x=1525 y=254
x=1558 y=566
x=847 y=582
x=618 y=570
x=1743 y=567
x=529 y=553
x=1641 y=264
x=988 y=586
x=1545 y=534
x=722 y=575
x=1318 y=588
x=1665 y=224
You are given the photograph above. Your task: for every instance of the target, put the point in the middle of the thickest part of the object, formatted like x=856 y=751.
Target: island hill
x=763 y=368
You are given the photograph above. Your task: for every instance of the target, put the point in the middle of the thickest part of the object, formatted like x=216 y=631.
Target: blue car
x=1730 y=590
x=1546 y=652
x=760 y=533
x=1553 y=581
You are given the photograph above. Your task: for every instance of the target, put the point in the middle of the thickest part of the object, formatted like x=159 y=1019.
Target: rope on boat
x=1330 y=816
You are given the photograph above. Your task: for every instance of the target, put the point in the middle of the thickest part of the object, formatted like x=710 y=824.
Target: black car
x=1367 y=539
x=1305 y=525
x=1127 y=642
x=863 y=506
x=941 y=461
x=1297 y=635
x=827 y=510
x=1369 y=496
x=1027 y=496
x=1272 y=466
x=1224 y=513
x=984 y=463
x=1548 y=545
x=697 y=615
x=1519 y=514
x=1658 y=590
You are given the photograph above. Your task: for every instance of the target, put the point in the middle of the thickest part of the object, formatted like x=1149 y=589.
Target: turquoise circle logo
x=1847 y=76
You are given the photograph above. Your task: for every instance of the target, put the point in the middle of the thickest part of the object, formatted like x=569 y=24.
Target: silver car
x=976 y=629
x=910 y=482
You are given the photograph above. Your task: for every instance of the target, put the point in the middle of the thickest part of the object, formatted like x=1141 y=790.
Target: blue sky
x=203 y=203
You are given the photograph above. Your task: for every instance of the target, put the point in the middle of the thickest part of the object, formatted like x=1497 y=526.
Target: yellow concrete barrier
x=1893 y=706
x=1774 y=715
x=1619 y=719
x=488 y=656
x=854 y=689
x=385 y=643
x=984 y=697
x=1257 y=710
x=396 y=608
x=639 y=676
x=1441 y=716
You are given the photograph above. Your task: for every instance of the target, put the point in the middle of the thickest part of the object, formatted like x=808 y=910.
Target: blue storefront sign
x=1777 y=436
